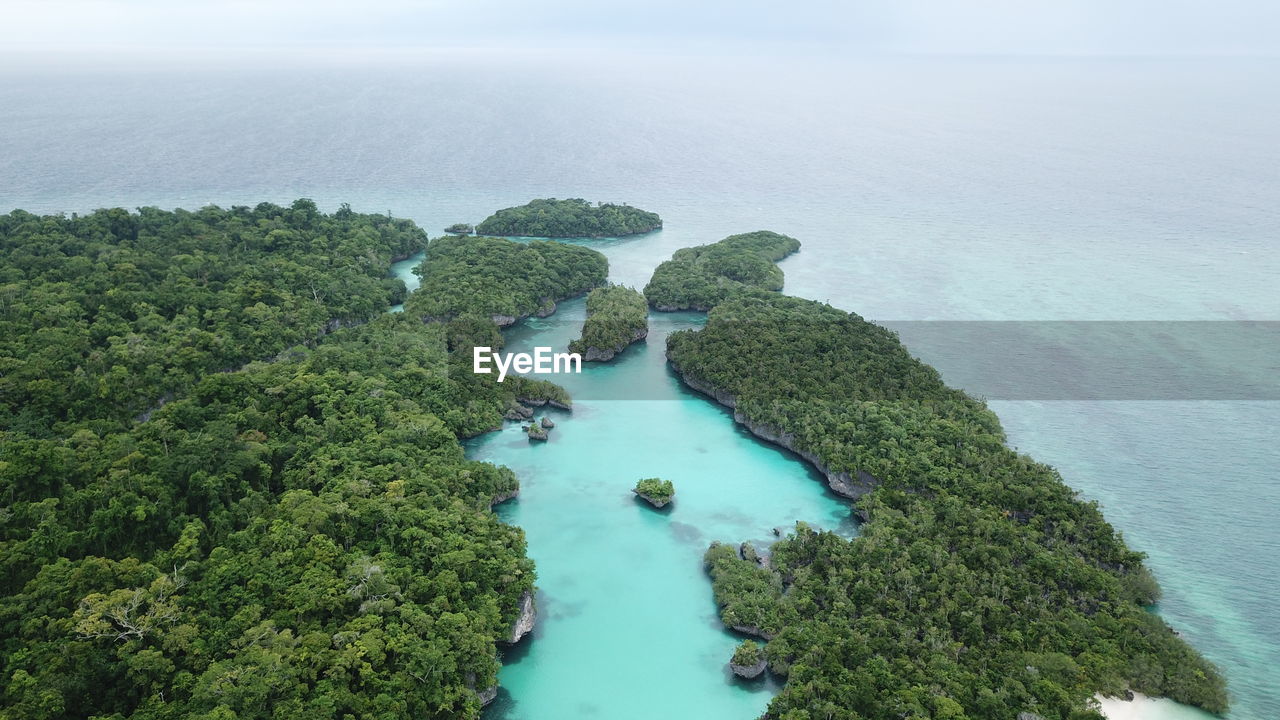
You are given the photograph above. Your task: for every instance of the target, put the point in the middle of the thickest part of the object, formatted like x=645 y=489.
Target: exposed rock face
x=505 y=496
x=547 y=423
x=750 y=672
x=536 y=433
x=595 y=354
x=518 y=412
x=548 y=307
x=841 y=483
x=524 y=623
x=1029 y=716
x=486 y=695
x=558 y=404
x=748 y=552
x=751 y=630
x=656 y=502
x=503 y=320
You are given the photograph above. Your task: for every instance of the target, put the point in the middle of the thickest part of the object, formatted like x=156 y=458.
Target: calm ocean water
x=921 y=189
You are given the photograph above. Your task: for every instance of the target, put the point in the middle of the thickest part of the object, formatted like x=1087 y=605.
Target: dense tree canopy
x=697 y=278
x=572 y=218
x=616 y=317
x=104 y=315
x=981 y=587
x=501 y=279
x=300 y=537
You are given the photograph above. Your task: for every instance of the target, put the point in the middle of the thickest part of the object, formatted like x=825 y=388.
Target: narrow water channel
x=627 y=625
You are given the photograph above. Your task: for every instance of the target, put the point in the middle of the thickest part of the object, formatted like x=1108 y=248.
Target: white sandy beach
x=1148 y=708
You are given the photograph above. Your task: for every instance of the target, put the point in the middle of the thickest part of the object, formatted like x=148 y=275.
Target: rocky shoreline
x=749 y=672
x=525 y=621
x=522 y=626
x=841 y=483
x=595 y=354
x=658 y=503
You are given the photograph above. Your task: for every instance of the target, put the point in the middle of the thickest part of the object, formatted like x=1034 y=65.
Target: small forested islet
x=616 y=317
x=571 y=218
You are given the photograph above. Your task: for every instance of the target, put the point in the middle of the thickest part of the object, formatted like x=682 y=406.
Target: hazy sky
x=852 y=26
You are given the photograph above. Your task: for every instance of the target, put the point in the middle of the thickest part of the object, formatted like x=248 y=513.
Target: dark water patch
x=686 y=533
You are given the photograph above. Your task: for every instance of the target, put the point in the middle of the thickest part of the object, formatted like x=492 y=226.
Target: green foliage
x=697 y=278
x=981 y=586
x=105 y=315
x=656 y=489
x=747 y=653
x=299 y=537
x=572 y=218
x=616 y=317
x=460 y=229
x=501 y=279
x=749 y=595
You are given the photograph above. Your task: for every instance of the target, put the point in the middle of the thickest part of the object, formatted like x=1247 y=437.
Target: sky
x=1040 y=27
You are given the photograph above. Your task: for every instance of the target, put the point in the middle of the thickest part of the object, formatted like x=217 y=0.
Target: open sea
x=927 y=193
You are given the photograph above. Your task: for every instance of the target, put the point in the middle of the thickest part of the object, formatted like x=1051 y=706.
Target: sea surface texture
x=927 y=193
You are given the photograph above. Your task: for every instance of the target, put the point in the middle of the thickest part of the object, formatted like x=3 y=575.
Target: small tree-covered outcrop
x=748 y=660
x=501 y=279
x=655 y=491
x=697 y=278
x=616 y=317
x=572 y=218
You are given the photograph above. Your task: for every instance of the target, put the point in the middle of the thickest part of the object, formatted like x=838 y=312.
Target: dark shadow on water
x=503 y=707
x=686 y=533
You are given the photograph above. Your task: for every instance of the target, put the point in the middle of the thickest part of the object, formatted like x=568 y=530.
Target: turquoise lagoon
x=627 y=625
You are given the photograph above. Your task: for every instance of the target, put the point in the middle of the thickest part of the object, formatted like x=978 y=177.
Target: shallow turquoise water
x=404 y=271
x=627 y=626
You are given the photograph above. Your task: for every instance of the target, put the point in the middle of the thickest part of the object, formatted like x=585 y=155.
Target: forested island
x=501 y=279
x=616 y=317
x=979 y=586
x=220 y=502
x=697 y=278
x=572 y=218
